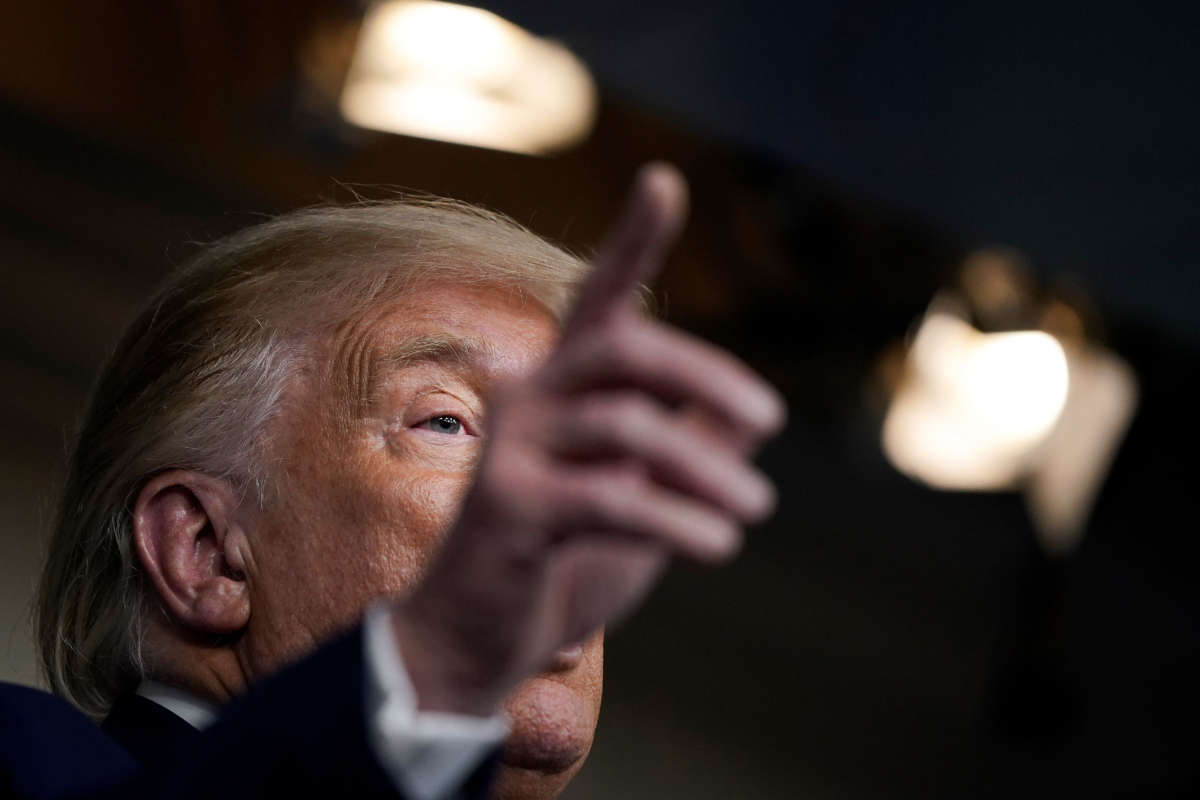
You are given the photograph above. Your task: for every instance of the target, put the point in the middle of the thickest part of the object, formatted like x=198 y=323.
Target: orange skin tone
x=611 y=447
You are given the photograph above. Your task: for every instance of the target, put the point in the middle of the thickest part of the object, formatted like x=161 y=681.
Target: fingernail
x=757 y=497
x=766 y=499
x=667 y=189
x=729 y=545
x=767 y=408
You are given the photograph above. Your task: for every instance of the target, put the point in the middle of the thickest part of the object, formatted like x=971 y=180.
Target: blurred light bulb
x=976 y=406
x=447 y=43
x=462 y=74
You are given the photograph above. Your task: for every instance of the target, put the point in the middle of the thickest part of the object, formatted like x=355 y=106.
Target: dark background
x=877 y=639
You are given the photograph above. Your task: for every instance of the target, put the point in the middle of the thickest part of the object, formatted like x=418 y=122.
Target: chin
x=553 y=719
x=514 y=783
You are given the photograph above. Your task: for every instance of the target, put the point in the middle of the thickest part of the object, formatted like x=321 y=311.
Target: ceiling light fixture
x=1031 y=403
x=461 y=74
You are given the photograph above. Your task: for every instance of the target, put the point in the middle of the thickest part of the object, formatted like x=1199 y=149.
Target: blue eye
x=445 y=424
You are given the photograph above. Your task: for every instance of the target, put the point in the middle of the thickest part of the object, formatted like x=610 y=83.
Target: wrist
x=444 y=674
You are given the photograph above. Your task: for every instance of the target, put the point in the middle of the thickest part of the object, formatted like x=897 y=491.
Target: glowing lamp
x=461 y=74
x=975 y=406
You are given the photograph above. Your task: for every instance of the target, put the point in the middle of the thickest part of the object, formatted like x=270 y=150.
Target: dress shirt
x=428 y=755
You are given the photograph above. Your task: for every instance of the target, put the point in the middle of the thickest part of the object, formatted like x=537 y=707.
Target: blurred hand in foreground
x=630 y=445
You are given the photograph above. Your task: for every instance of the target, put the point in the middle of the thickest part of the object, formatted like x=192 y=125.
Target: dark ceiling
x=1066 y=129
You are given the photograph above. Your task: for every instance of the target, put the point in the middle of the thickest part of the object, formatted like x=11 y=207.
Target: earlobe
x=186 y=533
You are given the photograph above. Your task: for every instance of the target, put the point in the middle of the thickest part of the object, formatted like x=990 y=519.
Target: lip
x=567 y=658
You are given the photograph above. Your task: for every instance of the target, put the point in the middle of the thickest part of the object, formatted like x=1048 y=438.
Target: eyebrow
x=459 y=352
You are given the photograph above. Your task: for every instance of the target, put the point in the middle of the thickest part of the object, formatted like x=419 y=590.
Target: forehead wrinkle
x=465 y=353
x=351 y=363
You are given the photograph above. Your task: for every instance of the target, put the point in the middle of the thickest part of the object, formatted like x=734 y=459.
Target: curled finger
x=618 y=501
x=632 y=427
x=675 y=368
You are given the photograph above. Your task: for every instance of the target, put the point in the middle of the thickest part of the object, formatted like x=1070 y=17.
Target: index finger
x=632 y=252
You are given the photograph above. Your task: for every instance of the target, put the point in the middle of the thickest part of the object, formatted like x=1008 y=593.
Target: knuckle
x=505 y=401
x=507 y=480
x=607 y=492
x=623 y=417
x=633 y=408
x=570 y=496
x=623 y=345
x=594 y=346
x=594 y=412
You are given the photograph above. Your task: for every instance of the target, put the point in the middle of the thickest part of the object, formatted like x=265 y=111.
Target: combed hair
x=196 y=380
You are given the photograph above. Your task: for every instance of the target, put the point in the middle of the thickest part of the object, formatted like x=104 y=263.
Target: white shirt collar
x=191 y=709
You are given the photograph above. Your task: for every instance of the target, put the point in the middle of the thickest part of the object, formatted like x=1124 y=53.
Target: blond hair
x=197 y=379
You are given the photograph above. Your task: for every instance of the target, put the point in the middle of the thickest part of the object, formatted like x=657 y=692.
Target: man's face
x=374 y=457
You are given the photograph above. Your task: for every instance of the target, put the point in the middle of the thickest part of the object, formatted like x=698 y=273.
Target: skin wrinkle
x=260 y=304
x=359 y=363
x=367 y=500
x=371 y=495
x=468 y=357
x=353 y=355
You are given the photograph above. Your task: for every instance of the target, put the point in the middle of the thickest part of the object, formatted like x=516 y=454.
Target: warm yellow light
x=447 y=43
x=462 y=74
x=975 y=406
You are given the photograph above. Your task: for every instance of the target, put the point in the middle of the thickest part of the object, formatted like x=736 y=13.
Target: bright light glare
x=976 y=406
x=462 y=74
x=446 y=43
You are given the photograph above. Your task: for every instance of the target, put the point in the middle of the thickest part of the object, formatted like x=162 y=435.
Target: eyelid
x=470 y=425
x=467 y=428
x=470 y=409
x=414 y=406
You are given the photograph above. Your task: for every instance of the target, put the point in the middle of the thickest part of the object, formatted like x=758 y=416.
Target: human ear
x=188 y=540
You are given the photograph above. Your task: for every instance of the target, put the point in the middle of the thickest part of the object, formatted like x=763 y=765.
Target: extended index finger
x=632 y=252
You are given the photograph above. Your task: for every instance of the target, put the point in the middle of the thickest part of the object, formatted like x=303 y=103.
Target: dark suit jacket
x=300 y=734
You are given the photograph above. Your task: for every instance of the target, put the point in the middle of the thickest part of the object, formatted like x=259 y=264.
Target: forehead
x=493 y=332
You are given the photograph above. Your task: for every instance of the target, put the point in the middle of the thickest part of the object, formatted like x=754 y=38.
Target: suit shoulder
x=50 y=749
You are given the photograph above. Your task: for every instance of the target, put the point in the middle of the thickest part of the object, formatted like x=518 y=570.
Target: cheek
x=591 y=669
x=402 y=522
x=338 y=543
x=340 y=540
